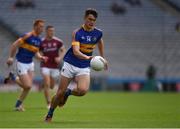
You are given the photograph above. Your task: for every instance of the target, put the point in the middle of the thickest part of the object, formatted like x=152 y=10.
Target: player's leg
x=46 y=84
x=54 y=77
x=25 y=74
x=66 y=77
x=26 y=83
x=83 y=82
x=79 y=85
x=17 y=80
x=52 y=82
x=59 y=97
x=73 y=84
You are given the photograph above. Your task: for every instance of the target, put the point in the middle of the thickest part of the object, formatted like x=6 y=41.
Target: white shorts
x=71 y=71
x=50 y=71
x=23 y=68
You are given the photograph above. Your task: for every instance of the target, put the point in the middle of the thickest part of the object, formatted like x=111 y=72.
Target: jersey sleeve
x=24 y=37
x=100 y=36
x=75 y=39
x=60 y=43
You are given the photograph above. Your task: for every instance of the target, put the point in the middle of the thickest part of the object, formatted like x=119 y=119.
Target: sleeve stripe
x=76 y=43
x=21 y=41
x=30 y=47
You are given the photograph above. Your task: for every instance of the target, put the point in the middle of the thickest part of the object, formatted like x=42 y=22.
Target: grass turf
x=96 y=109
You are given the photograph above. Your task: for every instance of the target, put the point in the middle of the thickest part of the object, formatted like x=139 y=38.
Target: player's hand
x=105 y=65
x=89 y=57
x=57 y=60
x=9 y=61
x=44 y=58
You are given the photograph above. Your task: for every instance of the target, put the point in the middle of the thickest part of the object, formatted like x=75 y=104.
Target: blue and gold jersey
x=87 y=41
x=29 y=46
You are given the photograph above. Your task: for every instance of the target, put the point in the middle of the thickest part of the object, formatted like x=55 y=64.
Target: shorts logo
x=63 y=70
x=19 y=71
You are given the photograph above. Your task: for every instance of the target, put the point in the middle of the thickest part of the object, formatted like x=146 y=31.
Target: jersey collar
x=83 y=26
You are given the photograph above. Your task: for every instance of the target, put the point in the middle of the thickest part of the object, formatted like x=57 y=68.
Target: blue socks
x=50 y=112
x=18 y=103
x=68 y=92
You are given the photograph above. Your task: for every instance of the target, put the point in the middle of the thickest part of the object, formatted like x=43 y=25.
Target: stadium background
x=137 y=34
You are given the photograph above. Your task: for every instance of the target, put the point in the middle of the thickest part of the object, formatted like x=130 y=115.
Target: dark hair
x=49 y=26
x=37 y=21
x=91 y=11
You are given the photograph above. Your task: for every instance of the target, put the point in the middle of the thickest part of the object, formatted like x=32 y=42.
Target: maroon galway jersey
x=50 y=48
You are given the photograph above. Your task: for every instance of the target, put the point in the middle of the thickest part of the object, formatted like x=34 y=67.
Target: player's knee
x=27 y=87
x=82 y=91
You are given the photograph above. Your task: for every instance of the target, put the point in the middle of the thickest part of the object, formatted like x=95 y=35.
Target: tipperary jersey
x=29 y=46
x=87 y=41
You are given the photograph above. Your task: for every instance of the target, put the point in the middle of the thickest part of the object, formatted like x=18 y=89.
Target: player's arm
x=39 y=54
x=101 y=52
x=40 y=50
x=41 y=57
x=76 y=49
x=61 y=53
x=101 y=47
x=13 y=50
x=15 y=46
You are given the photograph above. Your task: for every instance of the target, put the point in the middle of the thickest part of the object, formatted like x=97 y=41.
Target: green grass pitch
x=95 y=110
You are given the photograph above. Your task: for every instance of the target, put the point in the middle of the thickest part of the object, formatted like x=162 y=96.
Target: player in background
x=53 y=48
x=77 y=61
x=28 y=47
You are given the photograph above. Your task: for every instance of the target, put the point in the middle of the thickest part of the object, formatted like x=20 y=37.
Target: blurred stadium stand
x=144 y=35
x=6 y=38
